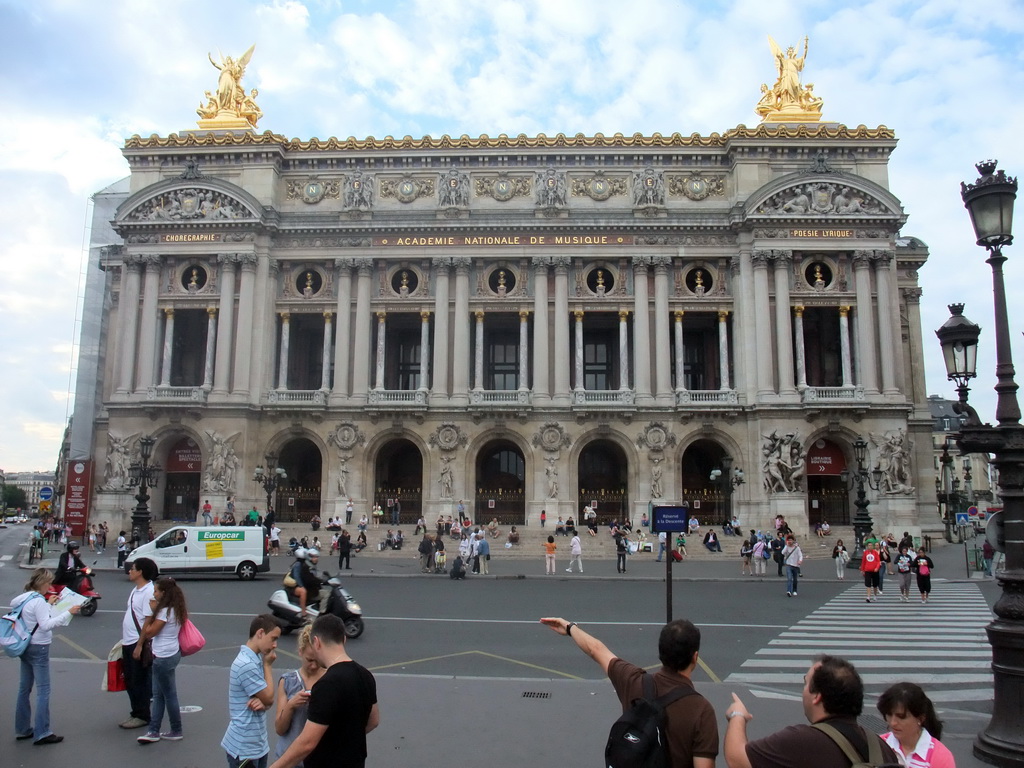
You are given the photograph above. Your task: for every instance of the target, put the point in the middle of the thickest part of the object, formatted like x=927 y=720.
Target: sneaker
x=148 y=738
x=568 y=570
x=53 y=738
x=794 y=594
x=789 y=594
x=172 y=736
x=134 y=722
x=867 y=599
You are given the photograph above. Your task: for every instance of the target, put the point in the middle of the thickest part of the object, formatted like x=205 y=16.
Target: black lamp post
x=990 y=201
x=948 y=492
x=727 y=479
x=862 y=522
x=270 y=478
x=143 y=475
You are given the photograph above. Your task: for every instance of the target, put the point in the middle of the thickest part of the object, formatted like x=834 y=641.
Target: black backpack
x=637 y=739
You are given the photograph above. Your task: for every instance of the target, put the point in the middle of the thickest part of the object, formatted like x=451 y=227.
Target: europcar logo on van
x=218 y=536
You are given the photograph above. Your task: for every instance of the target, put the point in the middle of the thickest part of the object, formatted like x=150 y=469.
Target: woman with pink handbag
x=163 y=626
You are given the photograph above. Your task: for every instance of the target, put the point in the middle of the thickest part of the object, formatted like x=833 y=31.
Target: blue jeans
x=791 y=577
x=35 y=668
x=253 y=762
x=661 y=550
x=165 y=694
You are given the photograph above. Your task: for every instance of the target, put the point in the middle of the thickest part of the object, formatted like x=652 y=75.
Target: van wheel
x=247 y=570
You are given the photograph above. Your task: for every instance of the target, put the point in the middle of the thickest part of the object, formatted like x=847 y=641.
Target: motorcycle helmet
x=313 y=552
x=300 y=553
x=73 y=545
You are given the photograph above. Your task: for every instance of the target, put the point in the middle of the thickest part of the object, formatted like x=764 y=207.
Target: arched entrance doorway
x=399 y=477
x=184 y=468
x=827 y=497
x=501 y=484
x=299 y=498
x=700 y=493
x=603 y=482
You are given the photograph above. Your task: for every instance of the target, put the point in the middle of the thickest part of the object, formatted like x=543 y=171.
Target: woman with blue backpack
x=35 y=659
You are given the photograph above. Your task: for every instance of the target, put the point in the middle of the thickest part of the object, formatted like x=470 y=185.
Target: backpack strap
x=651 y=693
x=874 y=745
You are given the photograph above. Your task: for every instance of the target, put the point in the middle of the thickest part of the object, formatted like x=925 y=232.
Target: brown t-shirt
x=691 y=724
x=801 y=746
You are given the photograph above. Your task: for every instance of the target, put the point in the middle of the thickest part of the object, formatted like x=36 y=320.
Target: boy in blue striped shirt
x=250 y=694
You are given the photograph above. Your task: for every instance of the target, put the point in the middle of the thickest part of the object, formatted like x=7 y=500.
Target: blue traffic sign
x=45 y=493
x=669 y=519
x=962 y=518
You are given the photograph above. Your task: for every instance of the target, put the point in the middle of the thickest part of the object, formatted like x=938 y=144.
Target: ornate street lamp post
x=728 y=479
x=990 y=201
x=947 y=488
x=862 y=522
x=141 y=474
x=270 y=478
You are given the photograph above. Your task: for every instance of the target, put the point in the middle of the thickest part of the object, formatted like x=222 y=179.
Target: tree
x=14 y=497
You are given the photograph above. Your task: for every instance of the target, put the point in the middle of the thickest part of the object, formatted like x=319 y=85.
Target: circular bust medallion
x=503 y=189
x=313 y=191
x=406 y=191
x=600 y=189
x=696 y=188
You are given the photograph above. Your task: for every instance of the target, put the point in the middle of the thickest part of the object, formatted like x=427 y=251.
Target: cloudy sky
x=77 y=78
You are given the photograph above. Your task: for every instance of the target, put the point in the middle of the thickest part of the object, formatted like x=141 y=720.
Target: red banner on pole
x=77 y=494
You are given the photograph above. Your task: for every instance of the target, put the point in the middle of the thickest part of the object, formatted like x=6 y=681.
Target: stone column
x=439 y=391
x=165 y=366
x=578 y=356
x=128 y=311
x=868 y=372
x=801 y=360
x=478 y=352
x=381 y=349
x=562 y=330
x=147 y=333
x=762 y=325
x=783 y=329
x=641 y=333
x=282 y=360
x=680 y=353
x=461 y=359
x=844 y=345
x=211 y=346
x=662 y=335
x=745 y=322
x=912 y=296
x=264 y=328
x=624 y=350
x=361 y=361
x=723 y=350
x=425 y=350
x=343 y=331
x=541 y=374
x=244 y=335
x=887 y=339
x=325 y=369
x=524 y=350
x=226 y=325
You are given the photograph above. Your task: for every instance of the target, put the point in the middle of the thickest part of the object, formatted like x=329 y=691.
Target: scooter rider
x=308 y=583
x=69 y=566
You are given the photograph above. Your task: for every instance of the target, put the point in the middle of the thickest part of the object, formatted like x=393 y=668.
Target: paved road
x=470 y=658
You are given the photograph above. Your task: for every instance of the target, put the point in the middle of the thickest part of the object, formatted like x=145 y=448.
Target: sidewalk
x=949 y=565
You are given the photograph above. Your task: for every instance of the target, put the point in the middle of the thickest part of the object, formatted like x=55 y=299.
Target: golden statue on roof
x=788 y=101
x=230 y=108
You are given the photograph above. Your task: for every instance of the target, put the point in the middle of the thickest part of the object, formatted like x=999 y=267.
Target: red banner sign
x=825 y=458
x=77 y=494
x=185 y=456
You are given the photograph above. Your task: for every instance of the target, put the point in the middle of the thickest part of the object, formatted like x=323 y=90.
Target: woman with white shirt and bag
x=169 y=613
x=35 y=661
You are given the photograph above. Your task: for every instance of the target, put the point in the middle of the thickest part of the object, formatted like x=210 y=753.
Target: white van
x=242 y=550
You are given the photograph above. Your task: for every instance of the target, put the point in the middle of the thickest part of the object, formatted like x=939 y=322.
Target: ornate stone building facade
x=521 y=323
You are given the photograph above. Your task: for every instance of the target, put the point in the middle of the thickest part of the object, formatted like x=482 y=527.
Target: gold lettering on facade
x=821 y=233
x=504 y=240
x=192 y=237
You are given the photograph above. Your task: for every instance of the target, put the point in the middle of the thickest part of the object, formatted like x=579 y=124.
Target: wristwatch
x=568 y=628
x=731 y=715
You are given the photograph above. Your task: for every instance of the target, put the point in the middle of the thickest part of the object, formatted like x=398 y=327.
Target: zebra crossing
x=940 y=645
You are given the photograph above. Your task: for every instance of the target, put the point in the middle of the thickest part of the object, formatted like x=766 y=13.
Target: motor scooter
x=333 y=599
x=81 y=584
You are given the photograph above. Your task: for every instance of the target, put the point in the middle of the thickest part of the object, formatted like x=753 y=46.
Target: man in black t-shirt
x=342 y=706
